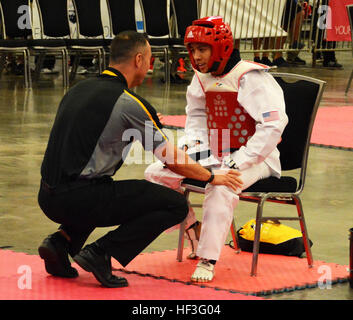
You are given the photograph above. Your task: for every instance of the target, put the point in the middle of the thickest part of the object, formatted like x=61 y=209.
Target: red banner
x=339 y=30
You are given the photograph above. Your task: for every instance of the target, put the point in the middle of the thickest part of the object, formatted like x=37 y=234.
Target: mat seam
x=255 y=293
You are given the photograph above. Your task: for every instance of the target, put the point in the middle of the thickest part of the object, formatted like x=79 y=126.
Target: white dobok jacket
x=248 y=96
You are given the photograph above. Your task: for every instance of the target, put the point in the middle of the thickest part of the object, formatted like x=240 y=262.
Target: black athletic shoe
x=92 y=259
x=280 y=63
x=54 y=251
x=332 y=64
x=257 y=60
x=266 y=61
x=297 y=61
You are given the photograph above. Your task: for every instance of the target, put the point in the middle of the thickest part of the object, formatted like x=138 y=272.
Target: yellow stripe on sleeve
x=145 y=109
x=109 y=73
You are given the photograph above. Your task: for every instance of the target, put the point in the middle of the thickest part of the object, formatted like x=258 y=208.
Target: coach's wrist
x=211 y=178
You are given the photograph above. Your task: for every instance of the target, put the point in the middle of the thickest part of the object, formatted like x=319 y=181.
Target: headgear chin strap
x=216 y=33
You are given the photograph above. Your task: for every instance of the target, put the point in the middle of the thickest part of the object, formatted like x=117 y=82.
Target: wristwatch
x=211 y=177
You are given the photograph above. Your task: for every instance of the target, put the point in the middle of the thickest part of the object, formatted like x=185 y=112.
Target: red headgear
x=216 y=33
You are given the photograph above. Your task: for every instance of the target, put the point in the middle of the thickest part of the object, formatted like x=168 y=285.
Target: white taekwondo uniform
x=248 y=104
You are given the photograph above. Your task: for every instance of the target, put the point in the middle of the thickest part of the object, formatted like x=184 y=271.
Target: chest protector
x=229 y=125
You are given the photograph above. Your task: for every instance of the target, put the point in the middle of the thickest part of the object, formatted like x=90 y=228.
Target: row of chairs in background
x=164 y=27
x=56 y=38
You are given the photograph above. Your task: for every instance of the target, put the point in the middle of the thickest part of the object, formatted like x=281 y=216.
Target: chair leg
x=2 y=63
x=67 y=81
x=181 y=233
x=75 y=66
x=39 y=65
x=26 y=69
x=166 y=67
x=181 y=241
x=256 y=245
x=104 y=59
x=233 y=230
x=100 y=61
x=63 y=60
x=307 y=247
x=349 y=82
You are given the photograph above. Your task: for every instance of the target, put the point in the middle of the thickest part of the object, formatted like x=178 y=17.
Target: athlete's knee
x=221 y=195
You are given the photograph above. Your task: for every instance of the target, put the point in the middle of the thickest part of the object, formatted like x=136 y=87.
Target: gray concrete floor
x=26 y=117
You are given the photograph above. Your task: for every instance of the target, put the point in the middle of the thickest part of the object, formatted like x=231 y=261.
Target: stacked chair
x=165 y=22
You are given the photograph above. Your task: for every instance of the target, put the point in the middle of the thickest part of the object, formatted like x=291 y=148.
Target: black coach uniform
x=96 y=122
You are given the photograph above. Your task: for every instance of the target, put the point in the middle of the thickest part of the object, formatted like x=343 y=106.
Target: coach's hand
x=229 y=178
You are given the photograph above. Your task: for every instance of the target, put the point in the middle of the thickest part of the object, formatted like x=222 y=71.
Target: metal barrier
x=276 y=25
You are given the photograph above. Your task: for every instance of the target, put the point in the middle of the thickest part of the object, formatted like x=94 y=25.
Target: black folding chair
x=122 y=16
x=55 y=24
x=14 y=39
x=350 y=16
x=302 y=98
x=184 y=13
x=90 y=34
x=156 y=25
x=53 y=29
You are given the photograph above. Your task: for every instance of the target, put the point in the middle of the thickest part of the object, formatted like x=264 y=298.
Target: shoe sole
x=47 y=253
x=85 y=265
x=202 y=280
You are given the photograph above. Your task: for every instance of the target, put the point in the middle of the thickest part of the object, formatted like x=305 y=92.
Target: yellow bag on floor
x=275 y=238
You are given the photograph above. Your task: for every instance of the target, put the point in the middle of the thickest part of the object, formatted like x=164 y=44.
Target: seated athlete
x=235 y=118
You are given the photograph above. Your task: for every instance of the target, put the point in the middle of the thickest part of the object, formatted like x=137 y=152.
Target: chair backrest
x=302 y=98
x=350 y=17
x=89 y=18
x=122 y=15
x=185 y=12
x=53 y=16
x=11 y=12
x=156 y=17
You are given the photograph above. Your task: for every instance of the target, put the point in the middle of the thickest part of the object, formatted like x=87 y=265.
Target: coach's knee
x=179 y=207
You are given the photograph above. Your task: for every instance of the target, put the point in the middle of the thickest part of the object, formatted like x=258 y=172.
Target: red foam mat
x=177 y=121
x=23 y=277
x=333 y=126
x=276 y=273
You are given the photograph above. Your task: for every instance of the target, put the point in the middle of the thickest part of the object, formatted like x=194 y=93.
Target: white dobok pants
x=218 y=205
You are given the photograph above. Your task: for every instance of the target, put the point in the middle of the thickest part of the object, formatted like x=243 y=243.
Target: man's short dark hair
x=125 y=45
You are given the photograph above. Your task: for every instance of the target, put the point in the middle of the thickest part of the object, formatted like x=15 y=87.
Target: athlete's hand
x=229 y=178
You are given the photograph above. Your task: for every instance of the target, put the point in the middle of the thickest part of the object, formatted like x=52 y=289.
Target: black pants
x=322 y=43
x=49 y=62
x=141 y=208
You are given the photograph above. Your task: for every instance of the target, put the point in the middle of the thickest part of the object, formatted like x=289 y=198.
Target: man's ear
x=138 y=60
